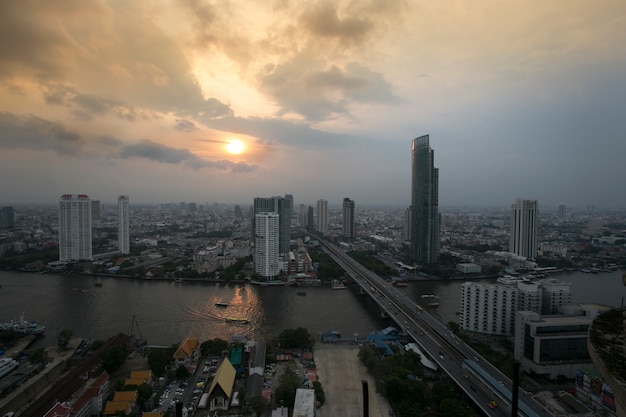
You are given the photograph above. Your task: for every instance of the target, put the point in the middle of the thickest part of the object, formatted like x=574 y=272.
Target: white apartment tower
x=123 y=225
x=74 y=227
x=267 y=241
x=488 y=309
x=554 y=294
x=322 y=216
x=524 y=224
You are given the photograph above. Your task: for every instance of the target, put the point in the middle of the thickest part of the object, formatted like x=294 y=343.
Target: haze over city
x=223 y=101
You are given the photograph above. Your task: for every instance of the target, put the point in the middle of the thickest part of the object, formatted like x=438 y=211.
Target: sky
x=224 y=101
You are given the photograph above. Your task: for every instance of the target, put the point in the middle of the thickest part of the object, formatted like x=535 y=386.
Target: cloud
x=32 y=132
x=185 y=125
x=318 y=94
x=153 y=151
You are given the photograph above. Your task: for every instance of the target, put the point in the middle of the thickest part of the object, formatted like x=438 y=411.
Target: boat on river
x=7 y=365
x=221 y=304
x=241 y=320
x=23 y=326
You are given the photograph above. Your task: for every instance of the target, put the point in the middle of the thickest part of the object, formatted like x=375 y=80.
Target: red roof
x=58 y=410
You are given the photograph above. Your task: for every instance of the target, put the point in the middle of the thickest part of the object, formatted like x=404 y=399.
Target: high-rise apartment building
x=7 y=218
x=425 y=217
x=349 y=229
x=524 y=225
x=489 y=309
x=74 y=227
x=322 y=216
x=123 y=225
x=303 y=219
x=96 y=208
x=266 y=255
x=283 y=206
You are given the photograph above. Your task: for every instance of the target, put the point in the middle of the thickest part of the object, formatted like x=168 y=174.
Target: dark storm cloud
x=184 y=125
x=160 y=153
x=323 y=20
x=32 y=132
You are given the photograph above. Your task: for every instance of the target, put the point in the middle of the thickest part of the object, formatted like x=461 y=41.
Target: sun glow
x=235 y=146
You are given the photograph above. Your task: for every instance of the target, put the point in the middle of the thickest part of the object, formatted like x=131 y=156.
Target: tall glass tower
x=524 y=224
x=425 y=217
x=283 y=206
x=349 y=229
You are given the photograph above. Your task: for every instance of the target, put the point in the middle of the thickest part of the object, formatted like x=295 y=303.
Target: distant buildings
x=123 y=228
x=425 y=217
x=349 y=230
x=322 y=216
x=524 y=225
x=75 y=227
x=266 y=248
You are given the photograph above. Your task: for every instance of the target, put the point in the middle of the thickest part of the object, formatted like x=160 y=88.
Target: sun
x=235 y=146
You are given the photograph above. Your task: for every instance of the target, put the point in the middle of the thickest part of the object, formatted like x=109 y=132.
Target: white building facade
x=75 y=236
x=266 y=250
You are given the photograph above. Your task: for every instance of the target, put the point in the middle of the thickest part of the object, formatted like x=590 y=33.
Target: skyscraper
x=266 y=233
x=123 y=225
x=7 y=218
x=349 y=230
x=74 y=227
x=322 y=216
x=283 y=206
x=524 y=224
x=425 y=217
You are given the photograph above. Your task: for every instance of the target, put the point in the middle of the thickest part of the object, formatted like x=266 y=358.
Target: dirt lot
x=340 y=372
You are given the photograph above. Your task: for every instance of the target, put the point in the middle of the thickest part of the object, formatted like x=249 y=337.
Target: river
x=166 y=312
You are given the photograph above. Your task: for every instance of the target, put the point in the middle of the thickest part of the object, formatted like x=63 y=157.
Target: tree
x=258 y=405
x=64 y=338
x=182 y=372
x=295 y=338
x=39 y=356
x=213 y=347
x=158 y=359
x=114 y=357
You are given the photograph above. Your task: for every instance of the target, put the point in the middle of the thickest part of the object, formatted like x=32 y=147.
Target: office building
x=310 y=218
x=524 y=225
x=123 y=225
x=322 y=216
x=75 y=227
x=425 y=217
x=349 y=230
x=283 y=206
x=551 y=345
x=7 y=218
x=267 y=242
x=96 y=208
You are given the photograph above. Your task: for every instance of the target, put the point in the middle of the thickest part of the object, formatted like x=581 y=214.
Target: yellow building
x=188 y=351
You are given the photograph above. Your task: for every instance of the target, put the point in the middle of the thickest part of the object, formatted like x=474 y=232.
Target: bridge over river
x=481 y=381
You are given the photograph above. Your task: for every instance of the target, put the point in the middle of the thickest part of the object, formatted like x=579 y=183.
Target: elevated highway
x=444 y=348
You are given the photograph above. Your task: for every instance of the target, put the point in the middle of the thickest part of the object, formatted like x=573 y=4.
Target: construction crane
x=133 y=331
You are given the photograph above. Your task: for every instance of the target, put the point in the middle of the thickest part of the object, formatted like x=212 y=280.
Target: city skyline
x=187 y=101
